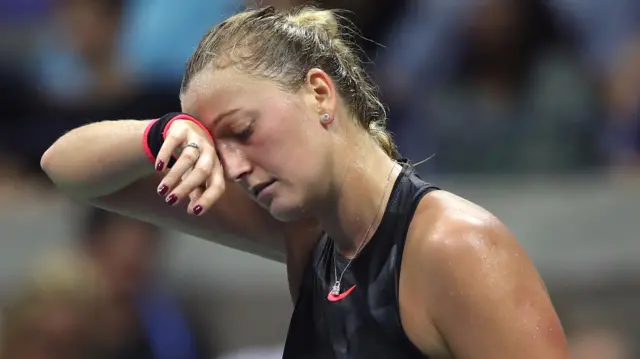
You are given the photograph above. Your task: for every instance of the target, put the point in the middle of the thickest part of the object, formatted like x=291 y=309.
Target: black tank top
x=366 y=323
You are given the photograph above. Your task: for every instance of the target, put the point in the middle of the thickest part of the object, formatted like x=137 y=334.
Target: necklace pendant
x=335 y=290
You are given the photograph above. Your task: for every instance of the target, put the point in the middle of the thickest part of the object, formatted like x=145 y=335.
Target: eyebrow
x=219 y=117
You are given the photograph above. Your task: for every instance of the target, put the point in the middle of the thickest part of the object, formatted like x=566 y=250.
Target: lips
x=255 y=190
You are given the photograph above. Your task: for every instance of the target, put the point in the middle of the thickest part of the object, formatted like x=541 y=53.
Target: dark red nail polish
x=172 y=199
x=197 y=210
x=162 y=190
x=159 y=166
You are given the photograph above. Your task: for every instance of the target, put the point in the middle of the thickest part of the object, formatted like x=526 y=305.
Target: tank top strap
x=412 y=190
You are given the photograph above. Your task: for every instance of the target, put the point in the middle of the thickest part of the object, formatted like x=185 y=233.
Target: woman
x=380 y=263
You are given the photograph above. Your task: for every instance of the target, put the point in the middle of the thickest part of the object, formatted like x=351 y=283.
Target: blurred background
x=530 y=108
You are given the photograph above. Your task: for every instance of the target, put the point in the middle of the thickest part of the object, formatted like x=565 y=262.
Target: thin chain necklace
x=335 y=290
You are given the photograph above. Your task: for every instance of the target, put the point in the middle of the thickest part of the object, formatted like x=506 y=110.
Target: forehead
x=214 y=92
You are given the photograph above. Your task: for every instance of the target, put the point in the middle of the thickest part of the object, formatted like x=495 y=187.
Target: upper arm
x=485 y=296
x=234 y=220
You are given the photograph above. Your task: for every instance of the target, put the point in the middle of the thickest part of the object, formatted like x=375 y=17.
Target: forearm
x=98 y=159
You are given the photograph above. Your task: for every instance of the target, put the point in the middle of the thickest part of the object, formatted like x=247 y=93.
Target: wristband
x=156 y=132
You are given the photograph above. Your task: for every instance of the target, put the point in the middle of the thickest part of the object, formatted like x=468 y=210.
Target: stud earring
x=325 y=117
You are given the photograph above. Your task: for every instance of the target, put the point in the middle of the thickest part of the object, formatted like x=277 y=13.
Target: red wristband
x=145 y=141
x=184 y=116
x=156 y=132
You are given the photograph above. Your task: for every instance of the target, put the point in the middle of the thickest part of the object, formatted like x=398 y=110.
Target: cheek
x=287 y=141
x=286 y=135
x=281 y=155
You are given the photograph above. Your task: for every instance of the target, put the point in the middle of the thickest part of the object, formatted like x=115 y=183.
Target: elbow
x=59 y=172
x=48 y=163
x=53 y=165
x=78 y=174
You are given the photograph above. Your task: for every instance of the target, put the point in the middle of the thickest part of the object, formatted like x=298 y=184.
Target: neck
x=360 y=195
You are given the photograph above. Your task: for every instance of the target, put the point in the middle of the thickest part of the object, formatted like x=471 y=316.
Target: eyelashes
x=238 y=129
x=245 y=134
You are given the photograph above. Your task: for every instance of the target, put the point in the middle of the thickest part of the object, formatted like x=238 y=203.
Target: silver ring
x=192 y=145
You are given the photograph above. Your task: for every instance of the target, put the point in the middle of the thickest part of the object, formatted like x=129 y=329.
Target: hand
x=197 y=172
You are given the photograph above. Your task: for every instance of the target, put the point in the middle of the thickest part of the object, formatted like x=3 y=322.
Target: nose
x=234 y=162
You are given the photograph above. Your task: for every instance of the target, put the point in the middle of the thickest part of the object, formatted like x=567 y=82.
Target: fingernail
x=159 y=166
x=162 y=190
x=197 y=210
x=172 y=199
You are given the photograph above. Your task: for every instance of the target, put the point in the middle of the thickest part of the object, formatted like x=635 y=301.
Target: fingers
x=194 y=196
x=197 y=173
x=198 y=176
x=170 y=146
x=196 y=193
x=202 y=182
x=210 y=196
x=185 y=162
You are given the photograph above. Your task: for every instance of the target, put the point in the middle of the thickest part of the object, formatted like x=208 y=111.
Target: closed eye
x=245 y=134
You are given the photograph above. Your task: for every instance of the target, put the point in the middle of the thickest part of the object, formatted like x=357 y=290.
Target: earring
x=326 y=117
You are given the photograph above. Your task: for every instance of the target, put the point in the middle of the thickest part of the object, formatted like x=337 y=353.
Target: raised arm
x=105 y=164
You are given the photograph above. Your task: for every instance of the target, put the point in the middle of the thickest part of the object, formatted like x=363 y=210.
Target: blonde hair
x=58 y=279
x=284 y=46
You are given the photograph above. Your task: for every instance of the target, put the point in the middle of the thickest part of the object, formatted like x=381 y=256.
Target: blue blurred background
x=530 y=108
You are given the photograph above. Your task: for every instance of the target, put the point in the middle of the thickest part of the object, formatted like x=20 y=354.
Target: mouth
x=255 y=190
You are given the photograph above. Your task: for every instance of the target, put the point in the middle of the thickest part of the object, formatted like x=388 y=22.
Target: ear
x=322 y=92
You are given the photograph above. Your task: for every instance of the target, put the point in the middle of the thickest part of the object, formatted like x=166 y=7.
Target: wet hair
x=283 y=46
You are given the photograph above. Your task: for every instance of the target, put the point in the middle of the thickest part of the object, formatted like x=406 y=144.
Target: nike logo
x=334 y=298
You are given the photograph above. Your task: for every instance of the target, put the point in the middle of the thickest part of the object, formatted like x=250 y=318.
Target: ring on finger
x=192 y=145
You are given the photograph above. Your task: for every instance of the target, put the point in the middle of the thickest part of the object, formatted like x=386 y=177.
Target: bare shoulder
x=447 y=222
x=479 y=288
x=456 y=238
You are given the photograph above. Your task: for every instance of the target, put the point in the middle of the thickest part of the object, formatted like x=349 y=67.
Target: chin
x=286 y=212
